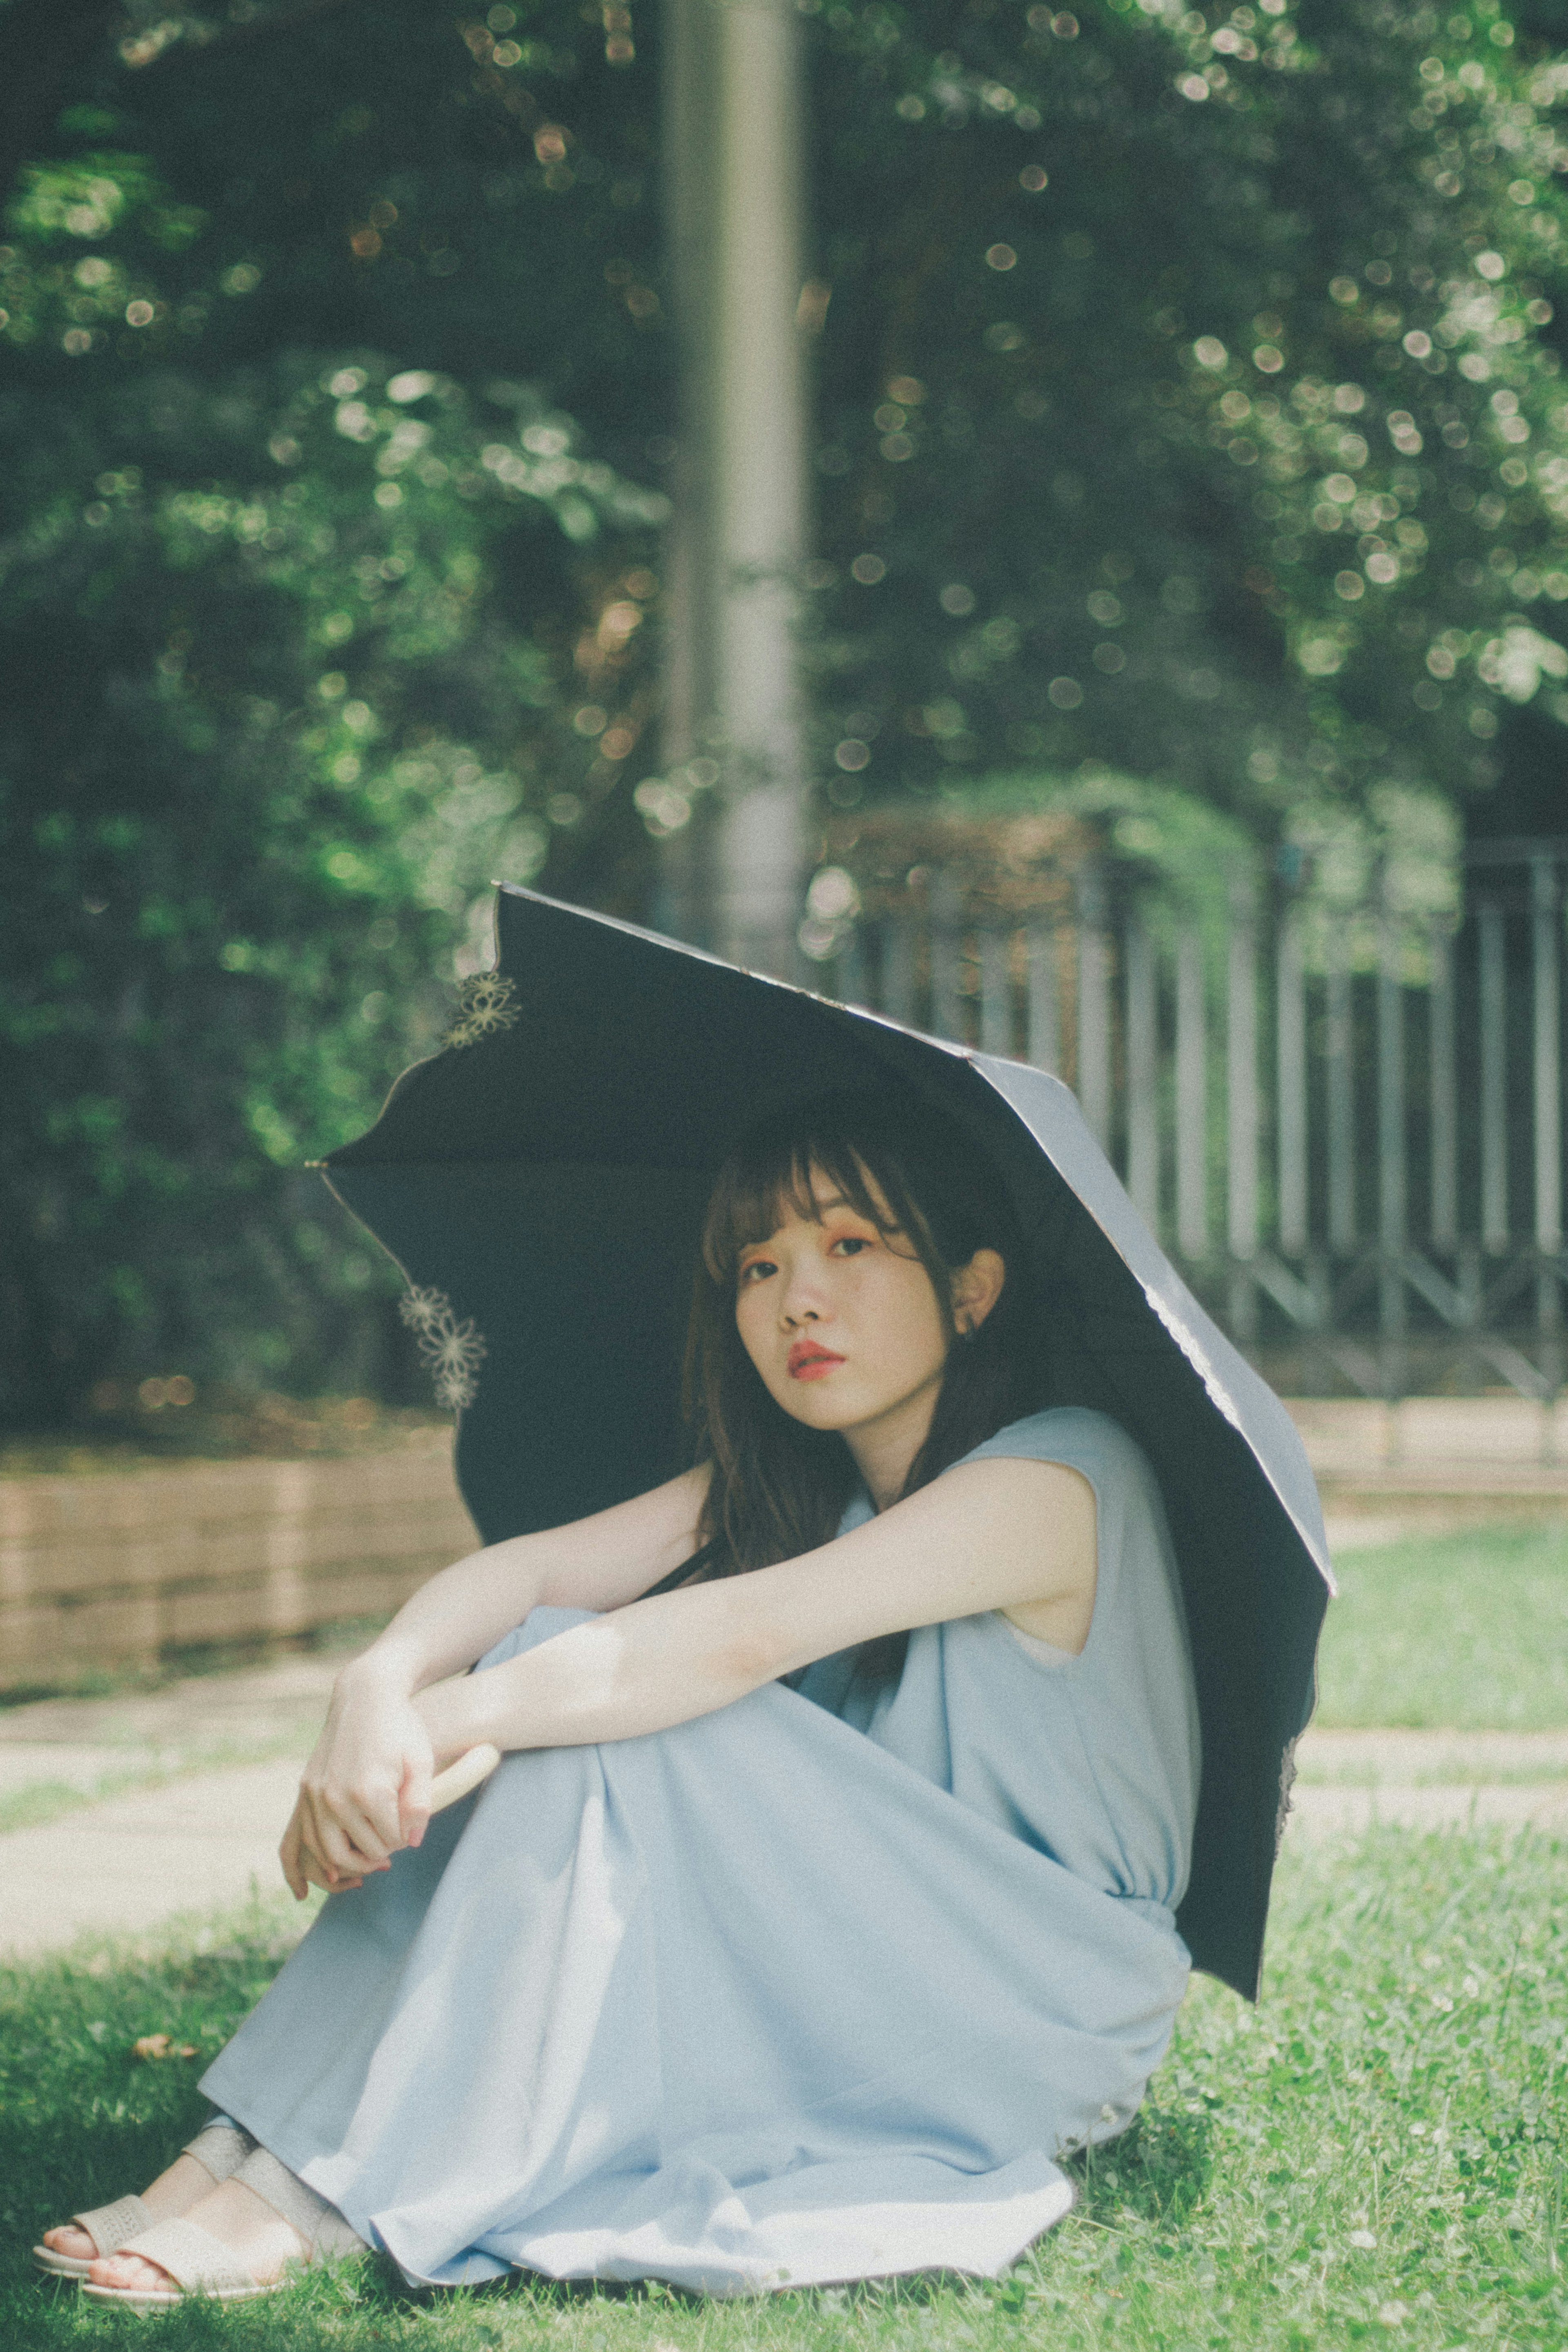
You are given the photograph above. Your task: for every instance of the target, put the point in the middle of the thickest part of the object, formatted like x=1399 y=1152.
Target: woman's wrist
x=453 y=1714
x=388 y=1672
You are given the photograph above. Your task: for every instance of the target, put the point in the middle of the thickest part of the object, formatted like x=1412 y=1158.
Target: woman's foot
x=168 y=2199
x=260 y=2240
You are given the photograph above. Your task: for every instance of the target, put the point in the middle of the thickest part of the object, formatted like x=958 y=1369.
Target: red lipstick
x=809 y=1360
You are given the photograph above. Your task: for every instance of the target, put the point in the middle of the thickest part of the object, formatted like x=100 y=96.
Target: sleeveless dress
x=816 y=1987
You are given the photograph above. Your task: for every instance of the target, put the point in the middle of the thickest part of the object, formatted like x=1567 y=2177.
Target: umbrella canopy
x=541 y=1183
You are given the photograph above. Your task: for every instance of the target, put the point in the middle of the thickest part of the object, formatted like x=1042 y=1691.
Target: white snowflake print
x=487 y=1004
x=451 y=1351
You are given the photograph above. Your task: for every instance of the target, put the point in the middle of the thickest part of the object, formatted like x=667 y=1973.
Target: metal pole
x=897 y=993
x=1548 y=1093
x=1241 y=1107
x=1093 y=1008
x=996 y=992
x=1291 y=1031
x=1443 y=1089
x=733 y=116
x=1143 y=1076
x=1391 y=1168
x=1493 y=1081
x=690 y=698
x=1192 y=1099
x=1341 y=1097
x=1044 y=1045
x=946 y=945
x=849 y=975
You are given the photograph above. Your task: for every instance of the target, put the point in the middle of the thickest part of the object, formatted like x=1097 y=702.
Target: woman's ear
x=975 y=1290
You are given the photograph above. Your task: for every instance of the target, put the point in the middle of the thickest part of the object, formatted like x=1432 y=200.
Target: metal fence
x=1343 y=1121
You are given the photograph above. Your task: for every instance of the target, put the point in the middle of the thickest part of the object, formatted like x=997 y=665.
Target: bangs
x=779 y=1488
x=770 y=1176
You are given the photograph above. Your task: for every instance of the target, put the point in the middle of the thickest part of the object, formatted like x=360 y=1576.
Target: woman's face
x=841 y=1319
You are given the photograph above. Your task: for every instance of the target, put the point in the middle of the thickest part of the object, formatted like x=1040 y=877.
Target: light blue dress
x=818 y=1987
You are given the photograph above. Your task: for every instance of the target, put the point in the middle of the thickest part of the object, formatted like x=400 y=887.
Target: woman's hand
x=300 y=1866
x=365 y=1793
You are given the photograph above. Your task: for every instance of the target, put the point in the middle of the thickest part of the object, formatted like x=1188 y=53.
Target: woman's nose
x=801 y=1302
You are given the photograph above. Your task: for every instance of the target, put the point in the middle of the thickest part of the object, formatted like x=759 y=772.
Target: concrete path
x=202 y=1845
x=207 y=1770
x=1317 y=1812
x=208 y=1719
x=1425 y=1758
x=1347 y=1780
x=207 y=1841
x=218 y=1759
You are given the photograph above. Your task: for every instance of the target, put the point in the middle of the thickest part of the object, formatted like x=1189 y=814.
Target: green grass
x=1375 y=2156
x=1462 y=1633
x=41 y=1801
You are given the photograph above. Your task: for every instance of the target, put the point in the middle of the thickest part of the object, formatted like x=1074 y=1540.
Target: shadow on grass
x=83 y=2118
x=1376 y=2154
x=1158 y=2167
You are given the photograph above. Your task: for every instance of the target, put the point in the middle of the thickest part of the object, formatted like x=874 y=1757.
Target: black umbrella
x=541 y=1183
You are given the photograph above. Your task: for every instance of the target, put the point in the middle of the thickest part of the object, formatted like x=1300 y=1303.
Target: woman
x=824 y=1897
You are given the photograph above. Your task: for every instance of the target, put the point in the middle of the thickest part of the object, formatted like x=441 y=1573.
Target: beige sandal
x=108 y=2227
x=219 y=2147
x=197 y=2263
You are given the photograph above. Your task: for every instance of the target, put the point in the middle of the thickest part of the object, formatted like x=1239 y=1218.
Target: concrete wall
x=1431 y=1465
x=1458 y=1444
x=117 y=1570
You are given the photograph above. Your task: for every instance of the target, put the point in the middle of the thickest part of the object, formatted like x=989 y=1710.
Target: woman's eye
x=755 y=1272
x=853 y=1243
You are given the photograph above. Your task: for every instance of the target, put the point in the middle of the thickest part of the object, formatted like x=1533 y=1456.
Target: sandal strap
x=193 y=2258
x=109 y=2226
x=220 y=2148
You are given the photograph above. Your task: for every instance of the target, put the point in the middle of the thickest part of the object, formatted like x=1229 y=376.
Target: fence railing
x=1344 y=1121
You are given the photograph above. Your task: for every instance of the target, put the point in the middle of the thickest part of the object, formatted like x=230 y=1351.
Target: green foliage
x=303 y=634
x=1375 y=2155
x=256 y=833
x=84 y=198
x=1172 y=853
x=1191 y=395
x=1189 y=404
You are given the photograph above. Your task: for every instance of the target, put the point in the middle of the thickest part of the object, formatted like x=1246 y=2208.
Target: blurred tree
x=1189 y=402
x=1190 y=398
x=305 y=645
x=258 y=840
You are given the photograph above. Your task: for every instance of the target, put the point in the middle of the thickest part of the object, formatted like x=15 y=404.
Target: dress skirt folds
x=813 y=1987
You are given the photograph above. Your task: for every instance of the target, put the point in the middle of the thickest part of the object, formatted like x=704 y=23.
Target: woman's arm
x=998 y=1534
x=600 y=1562
x=366 y=1789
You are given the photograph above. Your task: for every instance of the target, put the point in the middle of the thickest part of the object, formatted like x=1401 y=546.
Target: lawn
x=1462 y=1633
x=1375 y=2155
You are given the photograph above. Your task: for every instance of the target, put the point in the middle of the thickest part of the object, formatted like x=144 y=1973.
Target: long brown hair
x=779 y=1488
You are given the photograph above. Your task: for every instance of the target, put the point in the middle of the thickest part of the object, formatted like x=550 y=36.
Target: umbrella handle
x=460 y=1778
